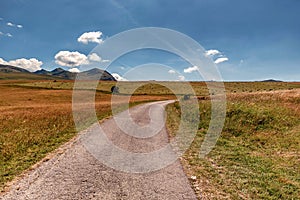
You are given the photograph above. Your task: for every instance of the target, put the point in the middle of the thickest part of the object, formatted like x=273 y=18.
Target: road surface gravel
x=74 y=173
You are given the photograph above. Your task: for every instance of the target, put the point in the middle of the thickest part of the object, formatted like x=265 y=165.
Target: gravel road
x=74 y=173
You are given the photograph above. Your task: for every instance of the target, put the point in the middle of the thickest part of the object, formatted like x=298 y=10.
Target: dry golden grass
x=32 y=123
x=36 y=117
x=35 y=121
x=258 y=153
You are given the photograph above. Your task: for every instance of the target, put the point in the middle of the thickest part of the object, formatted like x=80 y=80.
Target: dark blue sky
x=260 y=38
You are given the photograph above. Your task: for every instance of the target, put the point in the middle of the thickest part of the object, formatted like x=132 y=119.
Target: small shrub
x=114 y=90
x=186 y=97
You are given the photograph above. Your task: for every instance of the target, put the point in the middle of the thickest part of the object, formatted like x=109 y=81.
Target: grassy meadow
x=256 y=157
x=258 y=153
x=36 y=120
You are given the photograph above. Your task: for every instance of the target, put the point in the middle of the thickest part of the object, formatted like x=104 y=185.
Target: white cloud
x=181 y=78
x=190 y=69
x=171 y=71
x=10 y=24
x=220 y=60
x=73 y=59
x=94 y=36
x=118 y=77
x=31 y=64
x=94 y=57
x=3 y=62
x=212 y=52
x=70 y=59
x=14 y=25
x=216 y=53
x=6 y=34
x=74 y=70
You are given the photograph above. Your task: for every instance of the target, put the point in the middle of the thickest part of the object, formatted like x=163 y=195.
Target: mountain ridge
x=8 y=72
x=10 y=69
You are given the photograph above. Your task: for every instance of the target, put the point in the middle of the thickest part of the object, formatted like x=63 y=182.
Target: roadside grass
x=257 y=155
x=36 y=118
x=32 y=123
x=36 y=121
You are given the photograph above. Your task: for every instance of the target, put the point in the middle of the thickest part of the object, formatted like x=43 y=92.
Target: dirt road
x=75 y=173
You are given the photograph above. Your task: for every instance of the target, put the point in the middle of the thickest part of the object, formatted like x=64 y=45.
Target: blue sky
x=260 y=38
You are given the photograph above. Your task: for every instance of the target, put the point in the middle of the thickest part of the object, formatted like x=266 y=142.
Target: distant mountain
x=58 y=72
x=63 y=73
x=11 y=72
x=96 y=74
x=43 y=72
x=271 y=80
x=10 y=69
x=8 y=72
x=90 y=74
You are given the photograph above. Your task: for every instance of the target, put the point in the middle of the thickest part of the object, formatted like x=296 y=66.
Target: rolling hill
x=58 y=72
x=8 y=72
x=12 y=72
x=11 y=69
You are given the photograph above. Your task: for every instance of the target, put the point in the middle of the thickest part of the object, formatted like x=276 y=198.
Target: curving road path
x=74 y=172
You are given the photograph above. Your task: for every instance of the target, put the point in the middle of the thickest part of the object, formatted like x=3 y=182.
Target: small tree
x=186 y=97
x=114 y=90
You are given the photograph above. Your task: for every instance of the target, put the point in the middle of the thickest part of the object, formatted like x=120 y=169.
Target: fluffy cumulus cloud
x=181 y=78
x=31 y=64
x=70 y=59
x=118 y=77
x=171 y=71
x=94 y=57
x=3 y=62
x=74 y=70
x=190 y=69
x=220 y=60
x=94 y=36
x=212 y=52
x=74 y=59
